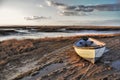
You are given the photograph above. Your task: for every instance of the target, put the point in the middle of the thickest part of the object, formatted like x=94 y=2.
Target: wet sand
x=55 y=59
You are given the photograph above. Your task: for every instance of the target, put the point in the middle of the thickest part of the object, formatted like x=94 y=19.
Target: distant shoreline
x=62 y=32
x=56 y=28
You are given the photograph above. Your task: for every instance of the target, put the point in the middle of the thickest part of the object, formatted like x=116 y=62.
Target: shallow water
x=35 y=34
x=116 y=65
x=44 y=71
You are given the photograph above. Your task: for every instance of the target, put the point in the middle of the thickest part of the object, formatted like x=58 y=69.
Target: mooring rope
x=89 y=67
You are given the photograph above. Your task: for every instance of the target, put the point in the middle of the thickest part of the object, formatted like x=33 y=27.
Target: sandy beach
x=55 y=59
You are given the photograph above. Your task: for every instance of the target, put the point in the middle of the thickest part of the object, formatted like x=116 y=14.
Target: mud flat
x=55 y=59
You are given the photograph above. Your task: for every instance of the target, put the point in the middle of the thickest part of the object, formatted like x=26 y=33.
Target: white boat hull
x=90 y=54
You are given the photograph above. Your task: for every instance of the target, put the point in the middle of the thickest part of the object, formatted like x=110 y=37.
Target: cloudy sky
x=60 y=12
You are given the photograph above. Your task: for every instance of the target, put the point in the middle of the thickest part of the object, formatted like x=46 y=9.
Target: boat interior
x=95 y=44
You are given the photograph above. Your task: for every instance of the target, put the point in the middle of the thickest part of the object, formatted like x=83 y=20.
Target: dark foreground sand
x=55 y=59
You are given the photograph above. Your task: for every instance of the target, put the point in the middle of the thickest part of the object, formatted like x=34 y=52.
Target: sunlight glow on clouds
x=59 y=12
x=8 y=15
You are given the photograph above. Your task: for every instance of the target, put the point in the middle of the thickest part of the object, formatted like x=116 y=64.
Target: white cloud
x=36 y=18
x=49 y=2
x=40 y=6
x=76 y=10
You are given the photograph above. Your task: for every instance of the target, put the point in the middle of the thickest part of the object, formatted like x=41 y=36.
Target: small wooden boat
x=91 y=53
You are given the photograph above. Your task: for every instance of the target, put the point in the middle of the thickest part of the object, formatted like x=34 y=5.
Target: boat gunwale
x=90 y=47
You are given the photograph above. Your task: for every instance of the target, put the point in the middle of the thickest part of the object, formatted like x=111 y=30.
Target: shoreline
x=50 y=32
x=68 y=37
x=53 y=28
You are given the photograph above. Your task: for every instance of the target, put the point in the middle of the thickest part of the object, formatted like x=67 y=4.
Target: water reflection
x=6 y=34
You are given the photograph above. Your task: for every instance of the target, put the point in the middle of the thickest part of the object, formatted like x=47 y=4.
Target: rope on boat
x=89 y=67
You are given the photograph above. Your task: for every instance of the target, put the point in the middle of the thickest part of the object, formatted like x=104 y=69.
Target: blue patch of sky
x=87 y=2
